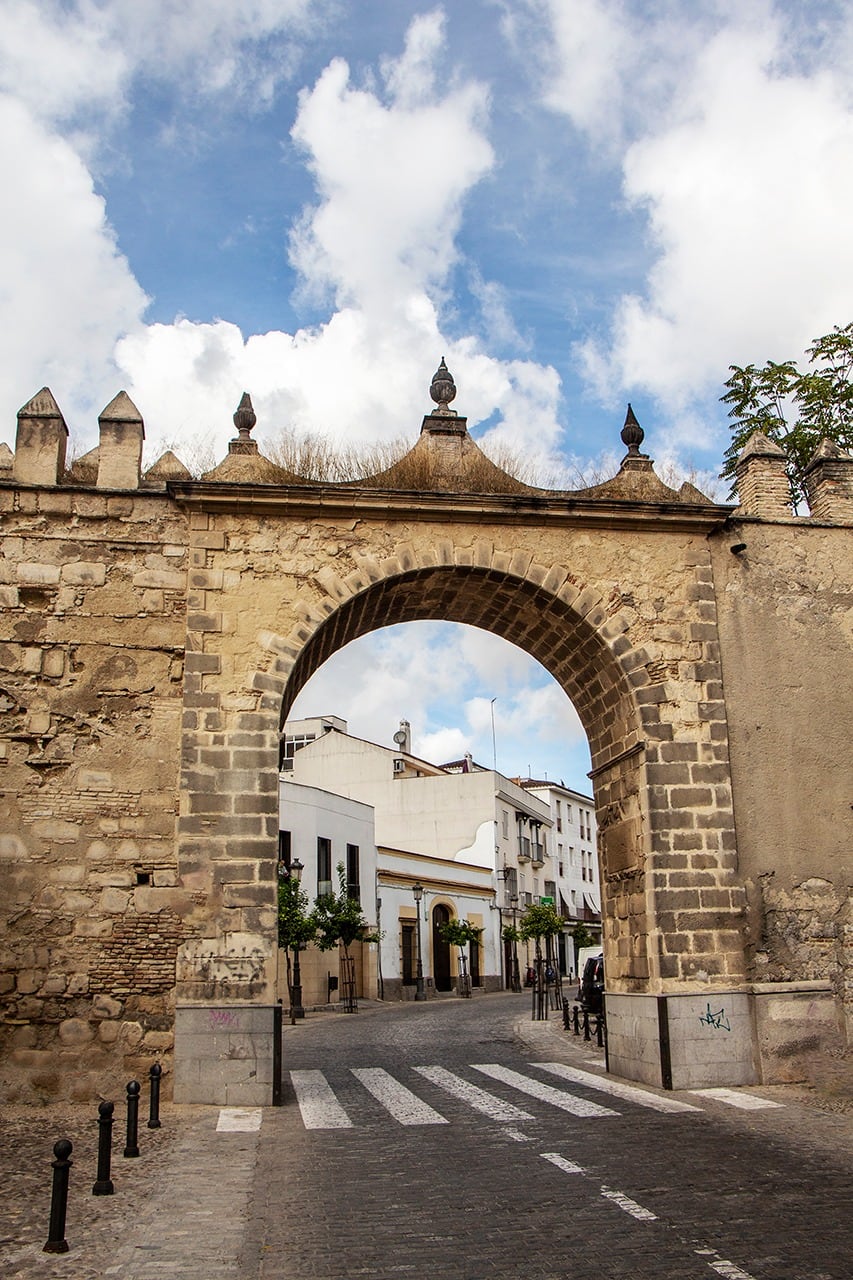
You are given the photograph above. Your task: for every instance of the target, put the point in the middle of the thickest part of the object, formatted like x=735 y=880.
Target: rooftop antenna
x=494 y=740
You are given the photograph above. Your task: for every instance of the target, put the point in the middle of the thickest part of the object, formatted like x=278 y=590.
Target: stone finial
x=443 y=389
x=7 y=458
x=632 y=434
x=828 y=482
x=244 y=417
x=244 y=420
x=41 y=441
x=122 y=432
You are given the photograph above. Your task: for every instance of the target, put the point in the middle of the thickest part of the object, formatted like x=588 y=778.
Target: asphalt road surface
x=431 y=1141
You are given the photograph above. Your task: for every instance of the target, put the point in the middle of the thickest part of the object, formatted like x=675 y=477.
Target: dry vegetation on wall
x=393 y=464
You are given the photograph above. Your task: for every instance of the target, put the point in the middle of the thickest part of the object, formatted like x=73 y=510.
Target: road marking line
x=629 y=1206
x=402 y=1104
x=561 y=1162
x=544 y=1092
x=745 y=1101
x=517 y=1135
x=627 y=1091
x=729 y=1270
x=319 y=1107
x=239 y=1120
x=479 y=1099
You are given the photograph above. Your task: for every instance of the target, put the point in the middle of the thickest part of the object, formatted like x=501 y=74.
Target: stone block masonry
x=152 y=639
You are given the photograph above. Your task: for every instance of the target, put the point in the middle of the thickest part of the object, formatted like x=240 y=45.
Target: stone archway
x=181 y=616
x=624 y=621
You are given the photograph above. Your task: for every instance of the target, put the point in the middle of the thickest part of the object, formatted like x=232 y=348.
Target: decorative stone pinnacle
x=442 y=388
x=244 y=418
x=632 y=434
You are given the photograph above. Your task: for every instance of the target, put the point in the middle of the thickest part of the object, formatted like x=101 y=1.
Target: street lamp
x=418 y=893
x=516 y=976
x=296 y=1010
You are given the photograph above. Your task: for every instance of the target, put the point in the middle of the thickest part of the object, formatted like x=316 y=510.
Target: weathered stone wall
x=786 y=621
x=91 y=671
x=152 y=637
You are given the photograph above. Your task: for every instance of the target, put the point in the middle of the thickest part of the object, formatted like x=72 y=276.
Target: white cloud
x=67 y=291
x=747 y=192
x=392 y=175
x=733 y=128
x=62 y=57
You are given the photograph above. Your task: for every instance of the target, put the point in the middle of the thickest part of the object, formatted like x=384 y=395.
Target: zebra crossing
x=321 y=1108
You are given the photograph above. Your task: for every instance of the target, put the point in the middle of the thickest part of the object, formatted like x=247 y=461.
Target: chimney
x=829 y=483
x=762 y=479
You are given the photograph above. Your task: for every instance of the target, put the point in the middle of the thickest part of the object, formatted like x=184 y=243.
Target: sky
x=578 y=203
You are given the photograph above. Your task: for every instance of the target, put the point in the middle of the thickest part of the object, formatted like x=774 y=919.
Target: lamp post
x=418 y=893
x=516 y=976
x=296 y=1010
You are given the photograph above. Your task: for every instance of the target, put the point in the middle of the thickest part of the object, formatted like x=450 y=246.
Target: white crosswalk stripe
x=319 y=1107
x=479 y=1099
x=544 y=1092
x=399 y=1101
x=743 y=1101
x=615 y=1088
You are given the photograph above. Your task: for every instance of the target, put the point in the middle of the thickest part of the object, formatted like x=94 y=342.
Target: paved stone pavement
x=470 y=1195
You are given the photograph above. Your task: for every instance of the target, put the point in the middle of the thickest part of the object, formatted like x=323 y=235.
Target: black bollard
x=56 y=1242
x=576 y=1026
x=154 y=1101
x=599 y=1031
x=132 y=1149
x=586 y=1034
x=103 y=1186
x=566 y=1023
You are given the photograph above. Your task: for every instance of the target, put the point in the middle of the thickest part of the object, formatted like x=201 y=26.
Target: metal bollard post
x=576 y=1026
x=566 y=1022
x=599 y=1031
x=103 y=1185
x=154 y=1101
x=586 y=1034
x=132 y=1148
x=56 y=1242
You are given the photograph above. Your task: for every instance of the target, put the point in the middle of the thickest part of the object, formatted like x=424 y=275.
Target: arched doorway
x=440 y=949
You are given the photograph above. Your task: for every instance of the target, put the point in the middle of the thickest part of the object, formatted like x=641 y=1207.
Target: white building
x=487 y=832
x=573 y=882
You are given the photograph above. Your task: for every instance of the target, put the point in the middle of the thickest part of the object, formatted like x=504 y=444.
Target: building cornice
x=351 y=502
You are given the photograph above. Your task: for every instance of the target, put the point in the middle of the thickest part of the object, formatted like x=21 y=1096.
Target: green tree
x=539 y=921
x=338 y=918
x=795 y=409
x=581 y=937
x=296 y=924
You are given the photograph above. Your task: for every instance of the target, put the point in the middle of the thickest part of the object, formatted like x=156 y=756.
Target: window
x=399 y=766
x=284 y=854
x=289 y=747
x=568 y=813
x=511 y=882
x=407 y=942
x=505 y=823
x=324 y=865
x=353 y=877
x=559 y=816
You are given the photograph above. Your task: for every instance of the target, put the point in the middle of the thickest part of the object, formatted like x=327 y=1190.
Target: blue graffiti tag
x=718 y=1021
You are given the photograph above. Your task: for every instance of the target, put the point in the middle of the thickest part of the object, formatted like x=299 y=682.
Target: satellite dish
x=400 y=738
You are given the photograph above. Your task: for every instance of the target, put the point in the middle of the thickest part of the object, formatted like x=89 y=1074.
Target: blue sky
x=577 y=202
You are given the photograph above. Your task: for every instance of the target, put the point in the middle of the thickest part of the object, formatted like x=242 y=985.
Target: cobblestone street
x=457 y=1140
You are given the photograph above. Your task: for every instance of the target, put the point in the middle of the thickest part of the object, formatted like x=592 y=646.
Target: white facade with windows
x=493 y=833
x=574 y=873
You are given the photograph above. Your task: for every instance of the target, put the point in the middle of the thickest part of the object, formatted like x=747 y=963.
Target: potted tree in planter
x=296 y=928
x=541 y=921
x=339 y=919
x=461 y=933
